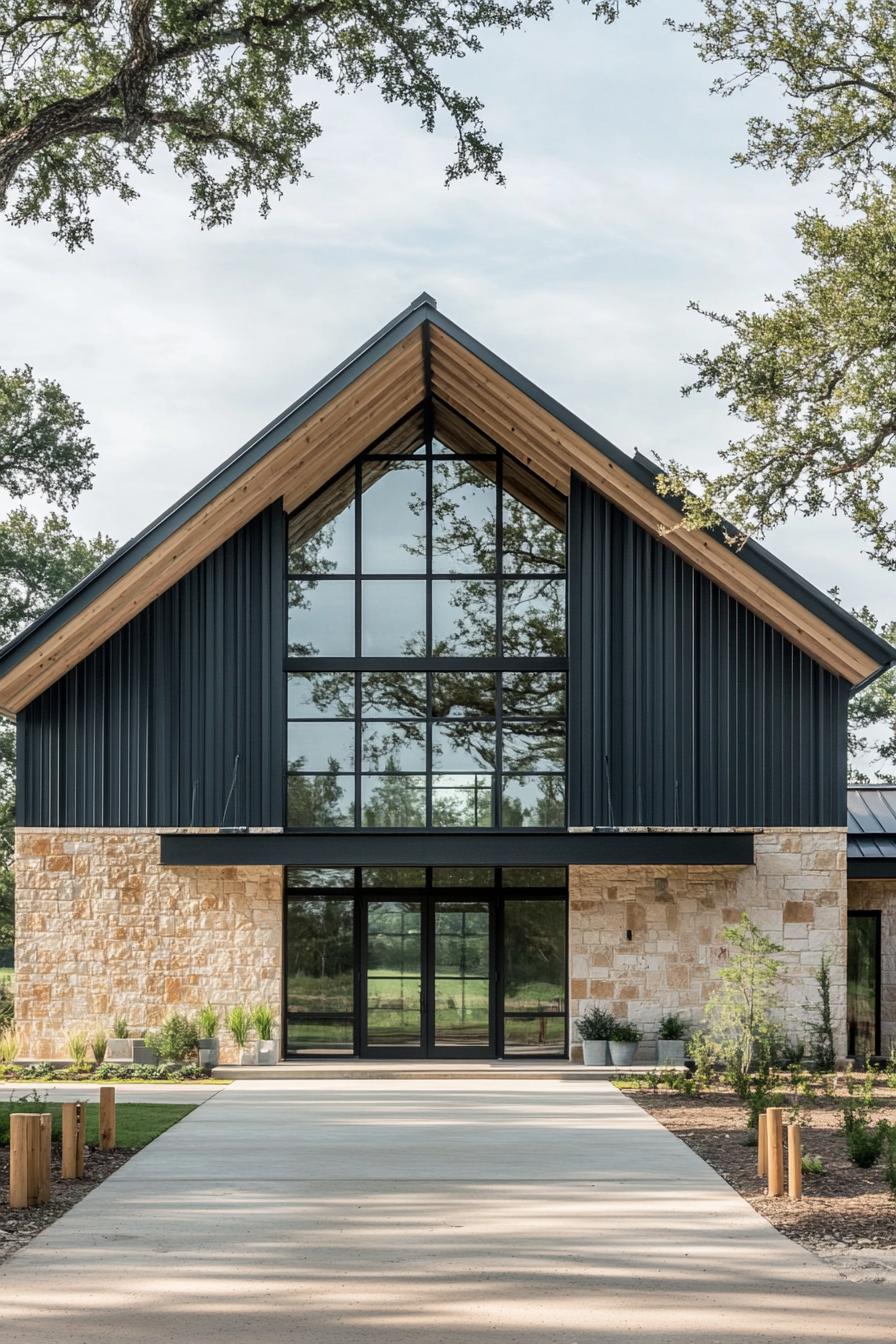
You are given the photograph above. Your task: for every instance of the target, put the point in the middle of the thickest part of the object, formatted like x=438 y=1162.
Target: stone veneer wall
x=795 y=891
x=880 y=894
x=103 y=930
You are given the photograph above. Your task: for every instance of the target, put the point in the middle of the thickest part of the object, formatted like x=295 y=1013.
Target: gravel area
x=846 y=1215
x=18 y=1226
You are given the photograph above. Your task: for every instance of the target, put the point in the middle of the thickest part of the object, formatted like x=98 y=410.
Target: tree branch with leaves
x=811 y=374
x=91 y=89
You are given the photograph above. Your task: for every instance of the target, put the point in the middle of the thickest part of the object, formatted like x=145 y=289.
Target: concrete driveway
x=424 y=1213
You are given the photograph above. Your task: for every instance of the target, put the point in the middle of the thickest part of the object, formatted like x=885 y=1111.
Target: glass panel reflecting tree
x=534 y=976
x=420 y=556
x=319 y=973
x=863 y=984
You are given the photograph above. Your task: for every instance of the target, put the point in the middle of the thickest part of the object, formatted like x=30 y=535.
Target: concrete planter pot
x=594 y=1054
x=248 y=1056
x=120 y=1050
x=209 y=1052
x=623 y=1053
x=670 y=1053
x=267 y=1052
x=130 y=1050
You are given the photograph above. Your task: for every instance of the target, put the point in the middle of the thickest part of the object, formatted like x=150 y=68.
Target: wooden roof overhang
x=419 y=365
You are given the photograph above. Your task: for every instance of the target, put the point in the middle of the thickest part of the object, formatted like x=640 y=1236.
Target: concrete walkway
x=192 y=1093
x=431 y=1212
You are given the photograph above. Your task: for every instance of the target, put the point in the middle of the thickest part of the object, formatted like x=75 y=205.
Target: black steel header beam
x=870 y=868
x=731 y=848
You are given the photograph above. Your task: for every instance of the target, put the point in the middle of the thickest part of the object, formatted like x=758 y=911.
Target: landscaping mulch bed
x=18 y=1226
x=843 y=1211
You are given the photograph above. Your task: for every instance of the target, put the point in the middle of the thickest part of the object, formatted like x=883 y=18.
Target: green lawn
x=137 y=1123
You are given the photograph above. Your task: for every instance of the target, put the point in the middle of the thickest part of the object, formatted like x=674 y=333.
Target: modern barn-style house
x=421 y=720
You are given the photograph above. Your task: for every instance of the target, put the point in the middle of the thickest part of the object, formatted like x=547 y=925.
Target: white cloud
x=620 y=207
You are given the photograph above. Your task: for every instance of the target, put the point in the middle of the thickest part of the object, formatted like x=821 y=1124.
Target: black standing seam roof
x=871 y=824
x=423 y=310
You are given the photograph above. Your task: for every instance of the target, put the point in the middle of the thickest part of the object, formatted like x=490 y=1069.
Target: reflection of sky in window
x=393 y=519
x=324 y=624
x=393 y=618
x=315 y=745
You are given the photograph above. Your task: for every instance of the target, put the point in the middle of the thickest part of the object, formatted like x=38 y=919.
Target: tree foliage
x=812 y=374
x=872 y=719
x=44 y=450
x=43 y=447
x=739 y=1013
x=93 y=88
x=39 y=562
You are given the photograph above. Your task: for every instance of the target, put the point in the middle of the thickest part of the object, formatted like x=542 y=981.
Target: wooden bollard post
x=762 y=1146
x=775 y=1133
x=794 y=1162
x=69 y=1165
x=45 y=1144
x=34 y=1159
x=20 y=1129
x=81 y=1134
x=107 y=1118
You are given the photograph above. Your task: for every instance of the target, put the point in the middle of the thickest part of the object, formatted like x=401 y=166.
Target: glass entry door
x=394 y=976
x=428 y=977
x=462 y=977
x=408 y=962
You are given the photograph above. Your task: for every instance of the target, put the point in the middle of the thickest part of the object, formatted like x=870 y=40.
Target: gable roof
x=418 y=359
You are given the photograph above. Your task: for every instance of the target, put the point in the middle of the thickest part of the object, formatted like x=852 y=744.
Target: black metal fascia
x=494 y=849
x=870 y=868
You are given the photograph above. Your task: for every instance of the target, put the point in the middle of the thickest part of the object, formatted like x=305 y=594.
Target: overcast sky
x=621 y=206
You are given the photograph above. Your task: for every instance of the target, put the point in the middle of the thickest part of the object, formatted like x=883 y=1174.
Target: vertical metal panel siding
x=686 y=709
x=144 y=732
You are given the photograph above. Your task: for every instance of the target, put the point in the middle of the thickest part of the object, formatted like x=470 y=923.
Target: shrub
x=890 y=1158
x=120 y=1029
x=77 y=1048
x=821 y=1021
x=9 y=1045
x=239 y=1024
x=759 y=1094
x=149 y=1073
x=813 y=1164
x=625 y=1031
x=176 y=1038
x=207 y=1022
x=858 y=1104
x=688 y=1085
x=263 y=1021
x=738 y=1014
x=595 y=1025
x=673 y=1028
x=865 y=1142
x=98 y=1046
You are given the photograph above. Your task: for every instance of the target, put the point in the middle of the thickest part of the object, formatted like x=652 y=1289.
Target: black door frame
x=875 y=917
x=427 y=898
x=428 y=894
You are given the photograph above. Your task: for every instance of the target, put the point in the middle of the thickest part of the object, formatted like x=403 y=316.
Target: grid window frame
x=432 y=664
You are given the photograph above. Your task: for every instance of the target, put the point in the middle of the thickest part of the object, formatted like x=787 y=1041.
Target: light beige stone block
x=103 y=930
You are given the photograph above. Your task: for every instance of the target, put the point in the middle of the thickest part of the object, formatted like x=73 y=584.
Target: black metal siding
x=686 y=709
x=145 y=731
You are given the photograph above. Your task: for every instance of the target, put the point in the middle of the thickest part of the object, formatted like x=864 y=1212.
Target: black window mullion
x=358 y=618
x=428 y=728
x=499 y=642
